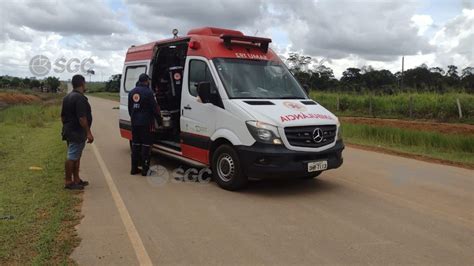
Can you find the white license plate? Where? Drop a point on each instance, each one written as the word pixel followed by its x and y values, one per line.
pixel 317 166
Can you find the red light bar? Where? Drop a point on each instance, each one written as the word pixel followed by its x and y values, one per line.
pixel 263 42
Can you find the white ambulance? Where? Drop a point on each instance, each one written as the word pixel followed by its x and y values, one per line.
pixel 229 103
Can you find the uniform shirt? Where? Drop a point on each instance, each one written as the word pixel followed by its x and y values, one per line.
pixel 75 105
pixel 142 106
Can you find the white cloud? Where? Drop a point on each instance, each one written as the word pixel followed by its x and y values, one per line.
pixel 422 22
pixel 455 40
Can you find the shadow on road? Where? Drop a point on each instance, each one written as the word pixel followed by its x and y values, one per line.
pixel 285 187
pixel 281 187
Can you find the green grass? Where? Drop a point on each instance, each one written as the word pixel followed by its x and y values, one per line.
pixel 41 230
pixel 115 96
pixel 449 147
pixel 430 106
pixel 95 86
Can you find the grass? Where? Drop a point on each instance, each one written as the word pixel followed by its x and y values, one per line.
pixel 429 106
pixel 114 96
pixel 95 86
pixel 448 147
pixel 38 214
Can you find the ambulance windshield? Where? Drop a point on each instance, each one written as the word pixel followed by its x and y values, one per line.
pixel 257 79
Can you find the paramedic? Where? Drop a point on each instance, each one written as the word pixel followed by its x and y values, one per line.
pixel 143 111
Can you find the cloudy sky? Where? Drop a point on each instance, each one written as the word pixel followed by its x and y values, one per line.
pixel 344 33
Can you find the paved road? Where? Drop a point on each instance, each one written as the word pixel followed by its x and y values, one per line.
pixel 376 209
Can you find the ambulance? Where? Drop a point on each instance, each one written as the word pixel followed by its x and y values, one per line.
pixel 229 103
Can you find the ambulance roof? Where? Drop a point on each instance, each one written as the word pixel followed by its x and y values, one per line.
pixel 211 43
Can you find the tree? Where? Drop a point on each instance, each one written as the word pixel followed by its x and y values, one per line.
pixel 378 79
pixel 5 82
pixel 452 77
pixel 351 75
pixel 322 78
pixel 417 78
pixel 90 72
pixel 351 79
pixel 467 80
pixel 468 71
pixel 452 72
pixel 437 70
pixel 26 82
pixel 298 63
pixel 15 82
pixel 366 69
pixel 35 83
pixel 113 85
pixel 52 83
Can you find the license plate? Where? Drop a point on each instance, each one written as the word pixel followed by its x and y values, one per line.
pixel 317 166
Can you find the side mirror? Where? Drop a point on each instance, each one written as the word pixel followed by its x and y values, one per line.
pixel 204 91
pixel 306 88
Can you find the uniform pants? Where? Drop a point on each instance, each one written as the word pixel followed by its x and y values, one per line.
pixel 142 139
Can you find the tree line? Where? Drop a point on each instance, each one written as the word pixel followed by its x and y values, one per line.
pixel 367 79
pixel 52 84
pixel 49 84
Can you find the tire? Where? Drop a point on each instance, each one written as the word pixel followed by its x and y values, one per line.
pixel 314 175
pixel 226 169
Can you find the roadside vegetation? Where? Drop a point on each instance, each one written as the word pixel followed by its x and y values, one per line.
pixel 37 216
pixel 425 106
pixel 114 96
pixel 455 148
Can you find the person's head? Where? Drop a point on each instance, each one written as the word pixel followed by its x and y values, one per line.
pixel 79 83
pixel 144 79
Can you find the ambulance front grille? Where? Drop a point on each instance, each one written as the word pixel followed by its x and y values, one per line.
pixel 307 136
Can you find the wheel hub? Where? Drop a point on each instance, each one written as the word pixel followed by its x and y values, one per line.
pixel 225 167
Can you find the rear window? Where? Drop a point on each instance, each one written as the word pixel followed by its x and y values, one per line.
pixel 131 76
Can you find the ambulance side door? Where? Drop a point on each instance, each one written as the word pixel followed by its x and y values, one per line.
pixel 198 119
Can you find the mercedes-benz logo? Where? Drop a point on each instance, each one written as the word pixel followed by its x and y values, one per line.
pixel 318 135
pixel 40 65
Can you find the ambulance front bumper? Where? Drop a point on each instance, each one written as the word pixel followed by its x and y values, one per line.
pixel 276 161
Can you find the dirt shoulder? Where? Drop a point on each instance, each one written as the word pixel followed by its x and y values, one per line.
pixel 446 128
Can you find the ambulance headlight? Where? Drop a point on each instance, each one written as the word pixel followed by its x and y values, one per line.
pixel 339 132
pixel 264 132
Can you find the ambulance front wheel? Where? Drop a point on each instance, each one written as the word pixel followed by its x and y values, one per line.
pixel 226 168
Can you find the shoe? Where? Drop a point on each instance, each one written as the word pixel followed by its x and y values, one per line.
pixel 134 171
pixel 145 171
pixel 84 183
pixel 73 186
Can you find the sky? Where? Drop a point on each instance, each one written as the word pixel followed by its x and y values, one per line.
pixel 338 33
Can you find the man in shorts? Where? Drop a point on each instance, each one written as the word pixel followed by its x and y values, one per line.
pixel 76 116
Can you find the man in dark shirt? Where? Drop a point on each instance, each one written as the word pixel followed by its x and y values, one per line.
pixel 143 111
pixel 77 120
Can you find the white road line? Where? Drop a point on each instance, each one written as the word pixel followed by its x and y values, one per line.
pixel 137 243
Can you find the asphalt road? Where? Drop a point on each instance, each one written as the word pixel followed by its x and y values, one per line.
pixel 377 209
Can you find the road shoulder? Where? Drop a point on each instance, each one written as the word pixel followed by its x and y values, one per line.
pixel 104 238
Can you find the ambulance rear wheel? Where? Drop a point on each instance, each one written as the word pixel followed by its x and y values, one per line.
pixel 226 169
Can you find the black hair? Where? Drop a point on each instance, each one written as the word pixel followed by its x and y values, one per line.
pixel 78 81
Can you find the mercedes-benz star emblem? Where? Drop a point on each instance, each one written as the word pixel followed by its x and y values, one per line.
pixel 318 135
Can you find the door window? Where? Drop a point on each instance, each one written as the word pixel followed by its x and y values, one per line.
pixel 199 72
pixel 131 76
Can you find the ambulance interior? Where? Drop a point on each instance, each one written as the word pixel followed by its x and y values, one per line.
pixel 167 78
